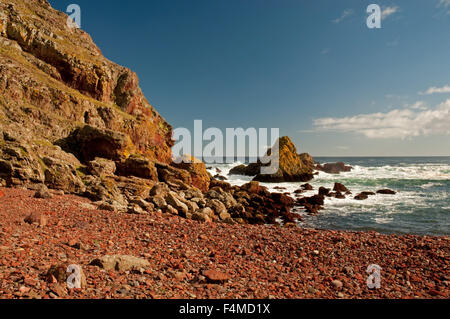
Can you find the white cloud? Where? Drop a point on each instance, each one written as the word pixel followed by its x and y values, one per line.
pixel 398 123
pixel 433 90
pixel 388 11
pixel 444 6
pixel 347 13
pixel 325 51
pixel 444 3
pixel 396 96
pixel 419 105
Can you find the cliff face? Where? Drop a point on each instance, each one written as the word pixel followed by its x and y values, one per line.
pixel 54 80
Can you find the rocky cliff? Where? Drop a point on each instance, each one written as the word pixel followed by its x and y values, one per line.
pixel 54 80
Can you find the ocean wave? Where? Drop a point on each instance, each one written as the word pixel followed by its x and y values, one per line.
pixel 383 220
pixel 430 185
pixel 415 171
pixel 420 206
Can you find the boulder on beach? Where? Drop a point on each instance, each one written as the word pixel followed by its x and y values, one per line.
pixel 139 166
pixel 197 169
pixel 89 142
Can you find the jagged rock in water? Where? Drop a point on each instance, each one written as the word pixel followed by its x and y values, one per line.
pixel 386 192
pixel 333 168
pixel 252 169
pixel 292 167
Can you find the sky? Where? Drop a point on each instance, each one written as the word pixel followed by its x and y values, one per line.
pixel 313 69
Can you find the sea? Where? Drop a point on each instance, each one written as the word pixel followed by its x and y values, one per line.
pixel 421 205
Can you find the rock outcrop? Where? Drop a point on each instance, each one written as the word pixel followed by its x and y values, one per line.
pixel 333 168
pixel 197 169
pixel 292 167
pixel 252 169
pixel 386 192
pixel 54 80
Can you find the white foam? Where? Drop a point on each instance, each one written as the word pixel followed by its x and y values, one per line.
pixel 413 171
pixel 383 220
pixel 429 185
pixel 415 185
pixel 365 179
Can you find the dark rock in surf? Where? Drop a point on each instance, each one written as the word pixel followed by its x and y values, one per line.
pixel 313 200
pixel 220 177
pixel 368 193
pixel 246 170
pixel 386 192
pixel 364 195
pixel 307 187
pixel 333 168
pixel 338 187
pixel 324 191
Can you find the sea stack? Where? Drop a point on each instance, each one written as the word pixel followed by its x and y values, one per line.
pixel 292 167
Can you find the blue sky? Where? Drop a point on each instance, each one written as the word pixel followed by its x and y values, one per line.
pixel 311 68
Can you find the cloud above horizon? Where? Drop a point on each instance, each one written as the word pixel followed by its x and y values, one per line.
pixel 388 11
pixel 434 89
pixel 444 3
pixel 345 14
pixel 414 121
